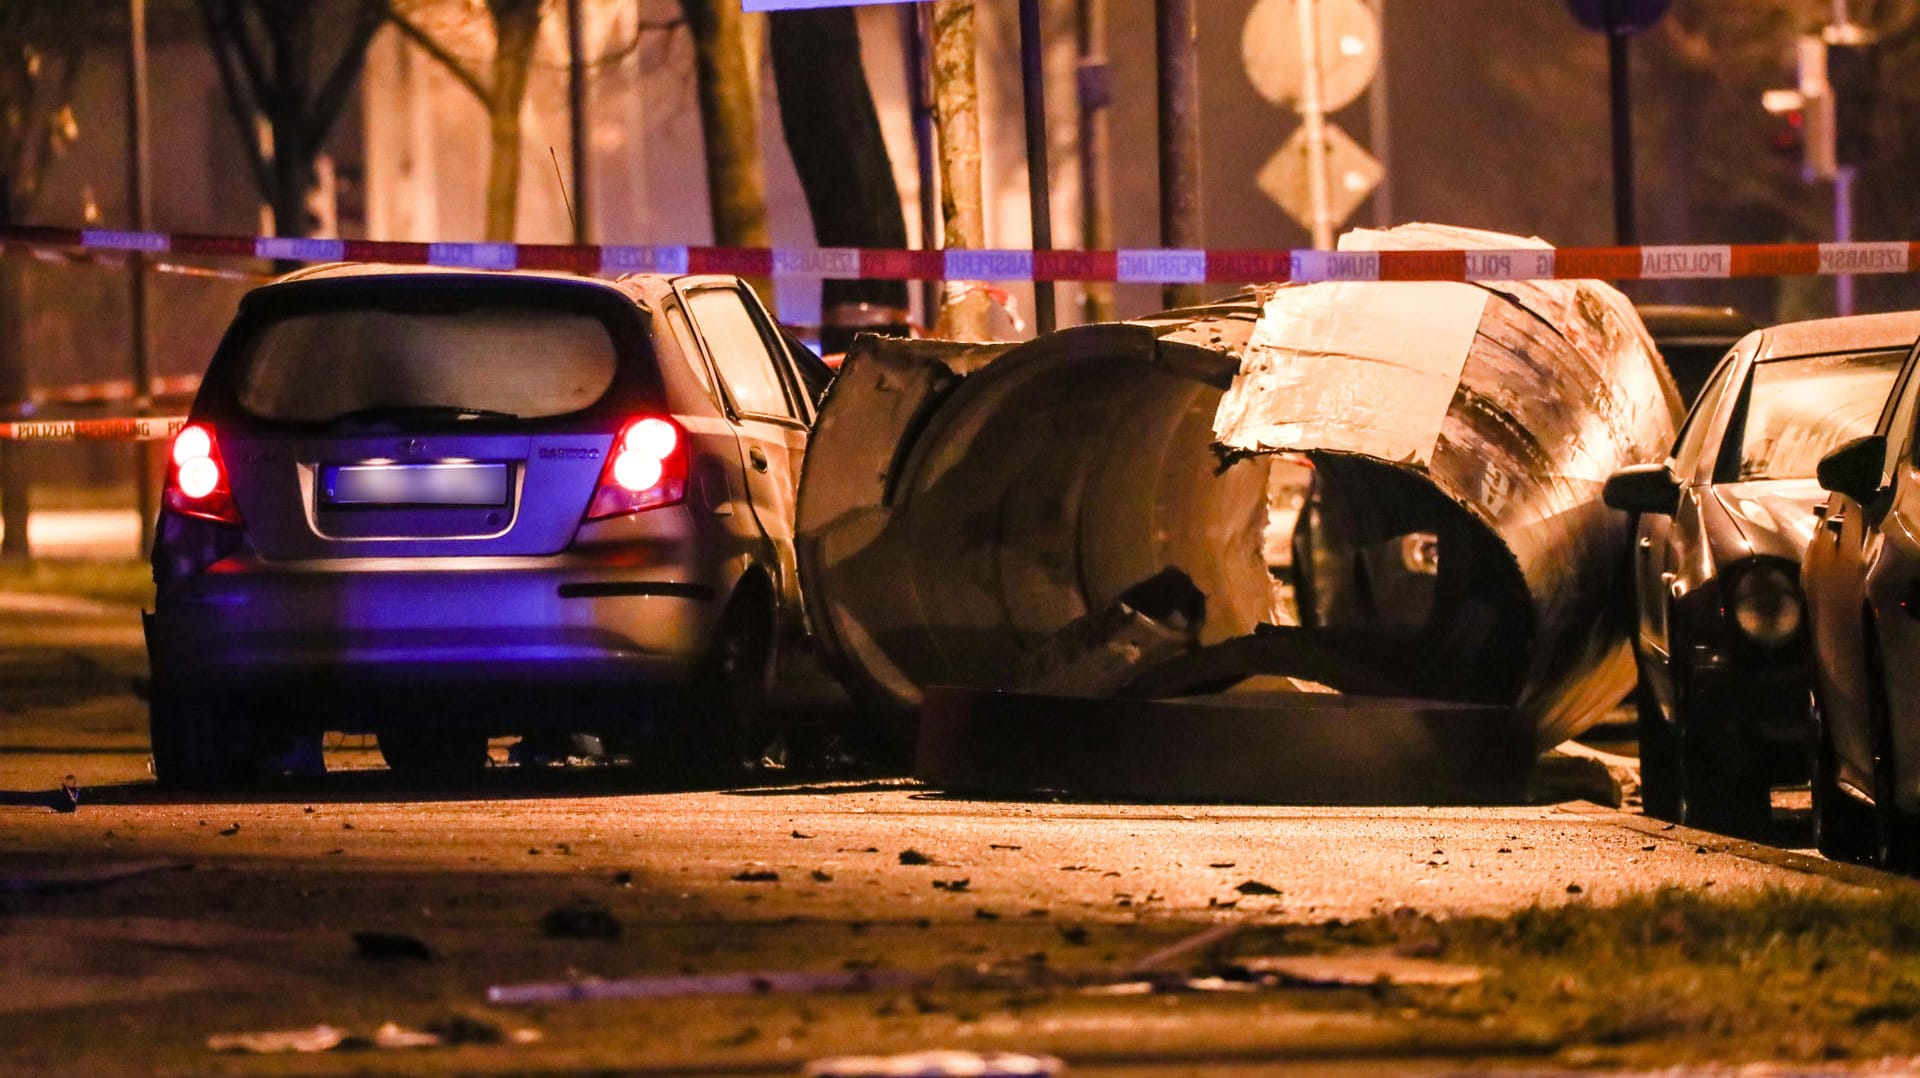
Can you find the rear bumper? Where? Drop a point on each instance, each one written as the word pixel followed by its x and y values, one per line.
pixel 486 635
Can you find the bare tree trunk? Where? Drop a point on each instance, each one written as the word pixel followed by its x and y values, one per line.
pixel 516 27
pixel 14 479
pixel 956 110
pixel 833 133
pixel 736 181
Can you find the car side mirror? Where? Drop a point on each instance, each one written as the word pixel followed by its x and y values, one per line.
pixel 1854 469
pixel 1642 488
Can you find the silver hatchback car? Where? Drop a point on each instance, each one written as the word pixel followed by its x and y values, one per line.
pixel 441 506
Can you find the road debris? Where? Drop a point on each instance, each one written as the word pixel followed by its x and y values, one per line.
pixel 707 984
pixel 756 875
pixel 321 1038
pixel 938 1064
pixel 55 879
pixel 1255 887
pixel 912 856
pixel 230 830
pixel 580 919
pixel 67 797
pixel 392 946
pixel 1357 968
pixel 443 1031
pixel 955 886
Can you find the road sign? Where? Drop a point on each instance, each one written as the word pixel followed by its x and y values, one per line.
pixel 1349 50
pixel 1618 16
pixel 1352 173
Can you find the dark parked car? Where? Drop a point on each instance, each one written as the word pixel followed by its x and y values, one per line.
pixel 444 505
pixel 1693 339
pixel 1862 579
pixel 1723 524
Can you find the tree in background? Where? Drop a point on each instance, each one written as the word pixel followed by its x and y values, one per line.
pixel 736 178
pixel 42 45
pixel 291 64
pixel 446 31
pixel 965 313
pixel 833 133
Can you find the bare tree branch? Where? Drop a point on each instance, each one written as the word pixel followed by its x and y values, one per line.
pixel 427 44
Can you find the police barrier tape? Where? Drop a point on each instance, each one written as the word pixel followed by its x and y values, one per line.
pixel 1143 266
pixel 156 428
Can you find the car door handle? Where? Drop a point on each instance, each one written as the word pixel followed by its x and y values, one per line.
pixel 758 457
pixel 1835 521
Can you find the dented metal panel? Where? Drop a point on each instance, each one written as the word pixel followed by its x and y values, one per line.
pixel 963 506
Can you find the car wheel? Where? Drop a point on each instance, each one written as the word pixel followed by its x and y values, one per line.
pixel 727 697
pixel 1718 788
pixel 1659 759
pixel 435 757
pixel 1714 783
pixel 1842 826
pixel 1895 842
pixel 201 744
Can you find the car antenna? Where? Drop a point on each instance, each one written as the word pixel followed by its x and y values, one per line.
pixel 572 221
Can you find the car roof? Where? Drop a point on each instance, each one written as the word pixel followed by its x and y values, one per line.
pixel 641 288
pixel 1680 323
pixel 1896 329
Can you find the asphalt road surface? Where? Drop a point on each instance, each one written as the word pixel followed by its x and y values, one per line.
pixel 139 926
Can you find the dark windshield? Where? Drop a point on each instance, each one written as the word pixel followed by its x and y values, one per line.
pixel 1799 409
pixel 487 360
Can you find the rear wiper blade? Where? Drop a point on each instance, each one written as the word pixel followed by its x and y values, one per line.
pixel 418 412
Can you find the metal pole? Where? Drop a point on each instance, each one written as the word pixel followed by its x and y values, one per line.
pixel 577 124
pixel 1314 117
pixel 1621 96
pixel 1095 93
pixel 1842 192
pixel 140 208
pixel 1843 233
pixel 1033 90
pixel 914 33
pixel 1379 124
pixel 1179 108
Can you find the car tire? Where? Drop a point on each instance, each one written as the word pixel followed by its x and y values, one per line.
pixel 1659 758
pixel 1896 834
pixel 201 744
pixel 1842 826
pixel 727 697
pixel 1718 788
pixel 435 757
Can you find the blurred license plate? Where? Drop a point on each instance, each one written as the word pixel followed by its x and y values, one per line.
pixel 414 484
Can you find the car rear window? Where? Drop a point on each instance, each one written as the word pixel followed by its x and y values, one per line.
pixel 1800 409
pixel 523 360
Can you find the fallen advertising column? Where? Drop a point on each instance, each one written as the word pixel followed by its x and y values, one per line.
pixel 1387 490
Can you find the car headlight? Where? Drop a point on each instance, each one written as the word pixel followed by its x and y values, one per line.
pixel 1766 604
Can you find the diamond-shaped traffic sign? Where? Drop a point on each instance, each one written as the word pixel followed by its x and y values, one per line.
pixel 1352 174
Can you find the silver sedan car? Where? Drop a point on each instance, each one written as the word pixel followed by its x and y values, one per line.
pixel 441 506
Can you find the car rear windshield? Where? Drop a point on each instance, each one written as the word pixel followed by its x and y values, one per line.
pixel 1800 409
pixel 494 359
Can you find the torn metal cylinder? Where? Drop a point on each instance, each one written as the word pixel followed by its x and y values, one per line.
pixel 1384 487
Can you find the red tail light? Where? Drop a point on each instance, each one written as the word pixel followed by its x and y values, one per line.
pixel 197 477
pixel 646 469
